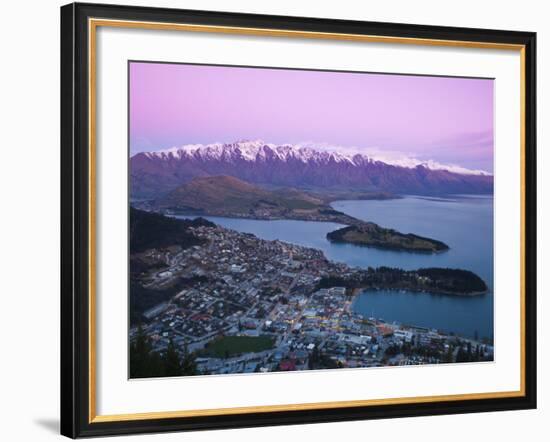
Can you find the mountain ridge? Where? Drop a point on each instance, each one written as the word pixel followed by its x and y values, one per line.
pixel 264 164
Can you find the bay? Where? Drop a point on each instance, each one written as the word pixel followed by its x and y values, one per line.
pixel 464 223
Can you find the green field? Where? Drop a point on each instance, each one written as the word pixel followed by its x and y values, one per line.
pixel 232 345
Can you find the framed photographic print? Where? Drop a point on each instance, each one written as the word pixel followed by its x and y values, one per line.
pixel 273 220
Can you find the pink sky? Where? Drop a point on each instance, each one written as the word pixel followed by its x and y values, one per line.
pixel 449 120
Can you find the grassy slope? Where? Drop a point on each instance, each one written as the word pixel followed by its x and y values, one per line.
pixel 231 194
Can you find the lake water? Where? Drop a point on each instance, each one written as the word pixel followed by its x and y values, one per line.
pixel 464 223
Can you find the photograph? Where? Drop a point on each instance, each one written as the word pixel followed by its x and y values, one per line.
pixel 272 220
pixel 276 221
pixel 298 219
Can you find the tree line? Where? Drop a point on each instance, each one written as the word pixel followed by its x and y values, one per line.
pixel 146 363
pixel 429 279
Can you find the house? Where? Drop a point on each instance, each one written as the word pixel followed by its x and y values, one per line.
pixel 155 311
pixel 287 365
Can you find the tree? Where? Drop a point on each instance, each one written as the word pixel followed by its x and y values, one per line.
pixel 171 361
pixel 392 350
pixel 449 356
pixel 144 362
pixel 314 358
pixel 188 365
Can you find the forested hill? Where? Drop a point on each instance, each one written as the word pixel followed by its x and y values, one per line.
pixel 434 280
pixel 372 235
pixel 152 230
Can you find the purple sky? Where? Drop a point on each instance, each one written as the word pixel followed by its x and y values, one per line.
pixel 449 120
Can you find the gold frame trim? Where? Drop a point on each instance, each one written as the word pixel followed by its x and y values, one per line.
pixel 93 24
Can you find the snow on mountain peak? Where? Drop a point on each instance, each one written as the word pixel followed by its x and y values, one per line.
pixel 259 150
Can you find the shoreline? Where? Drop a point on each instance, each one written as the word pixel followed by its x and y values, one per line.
pixel 314 264
pixel 175 213
pixel 410 289
pixel 342 222
pixel 390 248
pixel 357 291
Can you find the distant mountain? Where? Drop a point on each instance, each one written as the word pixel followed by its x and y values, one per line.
pixel 230 196
pixel 268 165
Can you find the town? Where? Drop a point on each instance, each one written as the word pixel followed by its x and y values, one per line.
pixel 264 306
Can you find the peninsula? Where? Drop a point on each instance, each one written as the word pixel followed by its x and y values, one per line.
pixel 231 197
pixel 372 235
pixel 233 301
pixel 234 198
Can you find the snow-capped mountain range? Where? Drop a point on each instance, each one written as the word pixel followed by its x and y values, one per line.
pixel 154 173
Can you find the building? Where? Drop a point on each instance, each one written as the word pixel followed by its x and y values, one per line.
pixel 155 311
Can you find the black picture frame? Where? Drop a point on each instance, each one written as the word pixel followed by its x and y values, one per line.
pixel 75 220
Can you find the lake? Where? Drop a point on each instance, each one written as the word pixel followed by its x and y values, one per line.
pixel 464 223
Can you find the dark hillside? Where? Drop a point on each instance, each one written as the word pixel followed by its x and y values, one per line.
pixel 152 230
